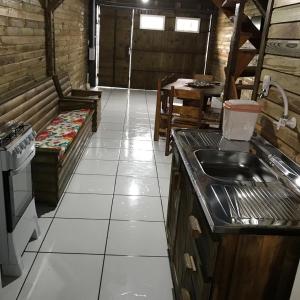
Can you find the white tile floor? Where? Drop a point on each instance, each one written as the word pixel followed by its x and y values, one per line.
pixel 106 239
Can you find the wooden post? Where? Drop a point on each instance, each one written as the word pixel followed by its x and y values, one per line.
pixel 50 42
pixel 50 6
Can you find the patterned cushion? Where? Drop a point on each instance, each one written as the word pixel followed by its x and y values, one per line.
pixel 62 130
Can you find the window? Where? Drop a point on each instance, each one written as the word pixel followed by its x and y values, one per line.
pixel 152 22
pixel 187 25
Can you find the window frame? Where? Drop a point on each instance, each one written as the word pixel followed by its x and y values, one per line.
pixel 187 18
pixel 150 15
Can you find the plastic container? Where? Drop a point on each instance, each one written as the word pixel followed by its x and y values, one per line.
pixel 239 120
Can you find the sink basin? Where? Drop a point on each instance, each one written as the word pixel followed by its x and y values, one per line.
pixel 234 166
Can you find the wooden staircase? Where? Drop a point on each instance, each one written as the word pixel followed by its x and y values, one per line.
pixel 240 57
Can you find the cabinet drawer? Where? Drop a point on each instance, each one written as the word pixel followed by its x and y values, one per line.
pixel 198 288
pixel 202 246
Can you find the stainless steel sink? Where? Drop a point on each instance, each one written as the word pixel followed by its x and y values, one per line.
pixel 234 166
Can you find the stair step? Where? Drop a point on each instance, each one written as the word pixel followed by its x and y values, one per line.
pixel 244 57
pixel 244 86
pixel 250 71
pixel 248 51
pixel 244 37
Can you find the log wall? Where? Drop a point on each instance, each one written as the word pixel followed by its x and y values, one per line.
pixel 71 39
pixel 22 43
pixel 282 62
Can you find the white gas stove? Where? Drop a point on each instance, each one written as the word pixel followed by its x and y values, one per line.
pixel 18 218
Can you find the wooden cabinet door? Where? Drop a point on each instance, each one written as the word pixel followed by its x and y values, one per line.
pixel 174 200
pixel 205 244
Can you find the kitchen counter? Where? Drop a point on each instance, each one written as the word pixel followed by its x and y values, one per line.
pixel 266 204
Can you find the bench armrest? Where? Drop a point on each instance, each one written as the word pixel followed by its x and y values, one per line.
pixel 79 99
pixel 85 93
pixel 72 103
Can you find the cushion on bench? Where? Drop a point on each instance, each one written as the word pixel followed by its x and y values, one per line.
pixel 62 130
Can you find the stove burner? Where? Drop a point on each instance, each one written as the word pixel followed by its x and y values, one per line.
pixel 10 131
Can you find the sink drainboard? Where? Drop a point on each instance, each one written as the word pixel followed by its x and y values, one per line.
pixel 270 202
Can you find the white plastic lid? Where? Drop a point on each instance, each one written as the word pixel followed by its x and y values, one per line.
pixel 242 105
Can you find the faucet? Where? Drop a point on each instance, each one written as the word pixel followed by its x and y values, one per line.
pixel 285 120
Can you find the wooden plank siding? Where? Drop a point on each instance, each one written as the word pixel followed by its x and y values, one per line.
pixel 22 44
pixel 282 62
pixel 155 53
pixel 160 53
pixel 71 40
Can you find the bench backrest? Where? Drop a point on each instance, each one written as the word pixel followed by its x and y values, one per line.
pixel 37 106
pixel 63 84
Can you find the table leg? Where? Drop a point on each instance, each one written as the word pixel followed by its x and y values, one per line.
pixel 157 116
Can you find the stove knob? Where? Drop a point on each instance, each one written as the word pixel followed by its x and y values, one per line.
pixel 17 150
pixel 23 145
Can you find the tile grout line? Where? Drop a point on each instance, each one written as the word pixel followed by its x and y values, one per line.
pixel 38 250
pixel 161 202
pixel 111 209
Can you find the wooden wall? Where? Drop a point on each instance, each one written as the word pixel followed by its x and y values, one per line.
pixel 282 62
pixel 222 36
pixel 155 53
pixel 71 39
pixel 22 44
pixel 160 53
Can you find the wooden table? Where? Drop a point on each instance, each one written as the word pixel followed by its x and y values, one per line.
pixel 181 84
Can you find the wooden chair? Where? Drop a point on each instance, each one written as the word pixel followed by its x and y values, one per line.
pixel 161 106
pixel 203 77
pixel 183 116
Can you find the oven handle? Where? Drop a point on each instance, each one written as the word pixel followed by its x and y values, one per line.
pixel 24 164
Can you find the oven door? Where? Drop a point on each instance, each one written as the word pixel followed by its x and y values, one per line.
pixel 17 192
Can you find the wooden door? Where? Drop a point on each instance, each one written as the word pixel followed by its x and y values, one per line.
pixel 115 31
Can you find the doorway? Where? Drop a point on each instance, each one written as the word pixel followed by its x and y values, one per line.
pixel 115 40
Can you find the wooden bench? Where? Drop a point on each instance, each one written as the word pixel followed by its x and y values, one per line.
pixel 64 89
pixel 38 106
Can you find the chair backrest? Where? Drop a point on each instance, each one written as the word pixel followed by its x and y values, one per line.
pixel 36 106
pixel 63 84
pixel 203 77
pixel 192 113
pixel 168 79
